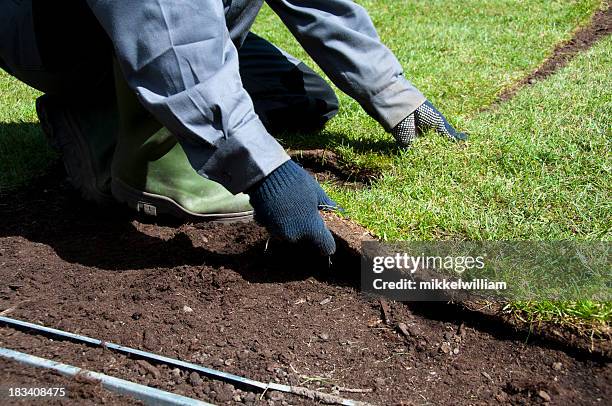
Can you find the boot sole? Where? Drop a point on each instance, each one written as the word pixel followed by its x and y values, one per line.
pixel 152 204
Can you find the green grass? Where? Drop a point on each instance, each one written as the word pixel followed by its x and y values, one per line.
pixel 459 53
pixel 24 153
pixel 536 168
pixel 515 179
pixel 586 316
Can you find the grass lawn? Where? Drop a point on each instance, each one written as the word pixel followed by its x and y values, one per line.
pixel 24 153
pixel 538 167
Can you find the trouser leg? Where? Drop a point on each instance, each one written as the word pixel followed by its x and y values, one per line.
pixel 56 47
pixel 286 93
pixel 18 46
pixel 59 49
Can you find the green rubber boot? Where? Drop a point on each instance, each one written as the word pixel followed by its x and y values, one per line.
pixel 151 173
pixel 84 133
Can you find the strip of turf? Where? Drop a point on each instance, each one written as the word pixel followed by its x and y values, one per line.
pixel 537 168
pixel 461 54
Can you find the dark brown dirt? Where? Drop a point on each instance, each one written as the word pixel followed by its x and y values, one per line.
pixel 584 38
pixel 276 314
pixel 326 165
pixel 83 392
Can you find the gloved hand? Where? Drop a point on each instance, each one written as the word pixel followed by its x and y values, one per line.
pixel 425 117
pixel 287 201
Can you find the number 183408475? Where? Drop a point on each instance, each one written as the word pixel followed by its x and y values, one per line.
pixel 32 392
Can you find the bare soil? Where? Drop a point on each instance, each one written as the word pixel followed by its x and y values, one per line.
pixel 81 391
pixel 326 165
pixel 225 297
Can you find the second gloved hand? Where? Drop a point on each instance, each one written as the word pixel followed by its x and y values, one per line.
pixel 287 203
pixel 424 118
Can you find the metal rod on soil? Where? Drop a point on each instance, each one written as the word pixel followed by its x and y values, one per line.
pixel 296 390
pixel 150 396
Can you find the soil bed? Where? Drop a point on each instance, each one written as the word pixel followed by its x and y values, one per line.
pixel 216 296
pixel 83 392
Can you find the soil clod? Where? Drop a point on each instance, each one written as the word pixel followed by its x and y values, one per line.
pixel 544 395
pixel 195 379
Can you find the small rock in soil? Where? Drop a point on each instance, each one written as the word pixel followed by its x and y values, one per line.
pixel 275 396
pixel 194 379
pixel 149 368
pixel 461 330
pixel 325 301
pixel 445 348
pixel 324 336
pixel 403 328
pixel 271 367
pixel 176 373
pixel 557 366
pixel 187 309
pixel 544 395
pixel 224 391
pixel 501 397
pixel 456 350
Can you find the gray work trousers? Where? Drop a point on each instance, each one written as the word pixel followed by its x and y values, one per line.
pixel 185 60
pixel 64 54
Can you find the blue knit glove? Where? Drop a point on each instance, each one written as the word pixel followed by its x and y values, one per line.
pixel 287 203
pixel 424 118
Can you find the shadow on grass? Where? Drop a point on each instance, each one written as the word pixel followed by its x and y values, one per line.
pixel 24 154
pixel 334 139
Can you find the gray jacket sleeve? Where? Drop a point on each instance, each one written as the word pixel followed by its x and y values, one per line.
pixel 179 59
pixel 340 37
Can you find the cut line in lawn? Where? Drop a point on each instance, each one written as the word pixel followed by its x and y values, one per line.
pixel 583 39
pixel 326 165
pixel 490 315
